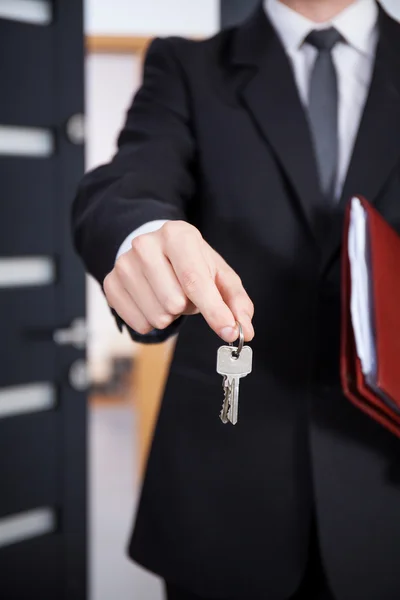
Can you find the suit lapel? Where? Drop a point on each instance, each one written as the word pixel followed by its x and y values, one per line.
pixel 270 94
pixel 377 148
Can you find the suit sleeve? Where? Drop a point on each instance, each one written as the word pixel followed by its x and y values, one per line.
pixel 150 177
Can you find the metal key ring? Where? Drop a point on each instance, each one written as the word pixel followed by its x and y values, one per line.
pixel 237 351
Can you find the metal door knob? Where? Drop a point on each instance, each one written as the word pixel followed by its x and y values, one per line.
pixel 75 335
pixel 78 376
pixel 75 129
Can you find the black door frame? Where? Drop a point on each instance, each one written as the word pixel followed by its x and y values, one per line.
pixel 54 438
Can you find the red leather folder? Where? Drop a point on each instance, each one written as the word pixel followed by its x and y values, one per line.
pixel 381 399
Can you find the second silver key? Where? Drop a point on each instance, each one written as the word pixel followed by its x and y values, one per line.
pixel 234 367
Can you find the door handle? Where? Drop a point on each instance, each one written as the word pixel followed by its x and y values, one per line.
pixel 75 129
pixel 79 376
pixel 75 335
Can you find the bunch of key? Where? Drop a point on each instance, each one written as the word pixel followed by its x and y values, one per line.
pixel 233 364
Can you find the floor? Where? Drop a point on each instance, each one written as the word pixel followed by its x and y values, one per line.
pixel 114 496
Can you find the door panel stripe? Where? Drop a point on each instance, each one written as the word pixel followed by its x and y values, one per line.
pixel 23 399
pixel 26 141
pixel 27 525
pixel 37 12
pixel 26 271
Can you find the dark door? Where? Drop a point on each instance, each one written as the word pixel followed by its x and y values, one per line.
pixel 235 11
pixel 42 356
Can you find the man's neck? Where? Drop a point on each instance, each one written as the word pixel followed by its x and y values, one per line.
pixel 318 11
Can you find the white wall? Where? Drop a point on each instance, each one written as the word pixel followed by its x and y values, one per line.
pixel 152 17
pixel 163 17
pixel 110 83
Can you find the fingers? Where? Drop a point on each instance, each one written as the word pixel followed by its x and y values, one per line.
pixel 237 299
pixel 131 277
pixel 119 299
pixel 143 287
pixel 190 265
pixel 235 296
pixel 160 279
pixel 171 272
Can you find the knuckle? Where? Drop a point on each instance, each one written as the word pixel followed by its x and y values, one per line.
pixel 140 244
pixel 173 230
pixel 121 267
pixel 175 305
pixel 189 280
pixel 235 282
pixel 162 321
pixel 142 328
pixel 169 230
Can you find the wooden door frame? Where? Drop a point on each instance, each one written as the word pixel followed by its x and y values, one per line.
pixel 106 44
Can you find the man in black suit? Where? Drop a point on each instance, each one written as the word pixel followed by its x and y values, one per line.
pixel 234 167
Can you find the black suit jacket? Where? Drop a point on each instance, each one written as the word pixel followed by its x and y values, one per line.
pixel 217 136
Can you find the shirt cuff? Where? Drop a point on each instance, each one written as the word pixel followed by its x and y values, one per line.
pixel 146 228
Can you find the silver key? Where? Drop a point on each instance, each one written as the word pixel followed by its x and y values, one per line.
pixel 234 403
pixel 227 400
pixel 233 366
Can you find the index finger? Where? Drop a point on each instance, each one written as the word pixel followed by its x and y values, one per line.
pixel 191 268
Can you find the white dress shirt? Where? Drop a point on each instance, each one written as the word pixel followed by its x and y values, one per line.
pixel 354 61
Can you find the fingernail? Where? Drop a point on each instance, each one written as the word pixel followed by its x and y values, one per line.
pixel 228 334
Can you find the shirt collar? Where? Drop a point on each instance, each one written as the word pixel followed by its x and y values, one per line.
pixel 357 24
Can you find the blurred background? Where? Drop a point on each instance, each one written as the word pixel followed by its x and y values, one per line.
pixel 78 400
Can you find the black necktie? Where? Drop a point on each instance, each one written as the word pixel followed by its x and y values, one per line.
pixel 323 108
